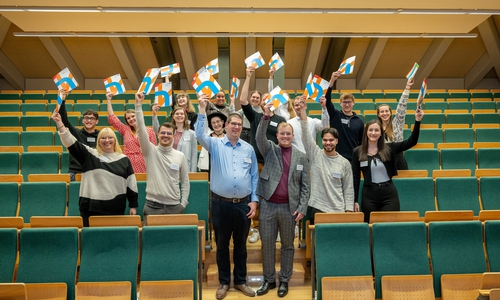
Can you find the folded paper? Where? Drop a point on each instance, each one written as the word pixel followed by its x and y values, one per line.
pixel 148 81
pixel 163 94
pixel 114 85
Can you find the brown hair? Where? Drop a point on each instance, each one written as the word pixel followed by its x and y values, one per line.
pixel 383 150
pixel 186 124
pixel 389 130
pixel 129 111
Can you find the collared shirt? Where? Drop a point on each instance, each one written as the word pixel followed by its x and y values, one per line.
pixel 234 170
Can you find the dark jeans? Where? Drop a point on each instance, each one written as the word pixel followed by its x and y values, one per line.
pixel 379 197
pixel 229 219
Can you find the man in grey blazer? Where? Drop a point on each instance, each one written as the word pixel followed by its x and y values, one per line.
pixel 284 188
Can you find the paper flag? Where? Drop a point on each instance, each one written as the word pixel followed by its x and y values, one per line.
pixel 275 62
pixel 205 83
pixel 163 94
pixel 347 66
pixel 320 86
pixel 114 85
pixel 255 60
pixel 170 69
pixel 213 66
pixel 309 90
pixel 278 97
pixel 235 85
pixel 421 94
pixel 201 70
pixel 413 71
pixel 64 80
pixel 148 81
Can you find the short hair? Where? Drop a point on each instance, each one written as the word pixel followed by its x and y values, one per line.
pixel 91 112
pixel 283 124
pixel 232 116
pixel 106 131
pixel 346 96
pixel 331 131
pixel 166 125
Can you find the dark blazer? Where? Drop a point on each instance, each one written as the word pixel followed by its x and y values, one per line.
pixel 298 178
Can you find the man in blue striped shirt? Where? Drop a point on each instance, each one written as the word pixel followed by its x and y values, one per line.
pixel 234 178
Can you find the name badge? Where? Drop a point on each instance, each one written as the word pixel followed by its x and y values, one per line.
pixel 248 160
pixel 187 138
pixel 189 122
pixel 344 121
pixel 273 124
pixel 363 163
pixel 300 167
pixel 202 154
pixel 174 167
pixel 104 159
pixel 91 139
pixel 336 175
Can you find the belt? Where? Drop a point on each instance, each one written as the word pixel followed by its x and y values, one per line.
pixel 232 200
pixel 386 183
pixel 159 204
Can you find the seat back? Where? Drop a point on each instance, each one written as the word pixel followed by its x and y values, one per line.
pixel 458 159
pixel 492 243
pixel 489 188
pixel 159 290
pixel 42 199
pixel 9 162
pixel 347 241
pixel 73 198
pixel 407 287
pixel 416 194
pixel 8 253
pixel 199 197
pixel 399 249
pixel 181 240
pixel 13 291
pixel 423 159
pixel 110 254
pixel 39 163
pixel 10 198
pixel 347 288
pixel 458 193
pixel 488 158
pixel 456 248
pixel 49 255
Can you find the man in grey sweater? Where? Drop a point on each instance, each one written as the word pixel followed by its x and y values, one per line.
pixel 332 188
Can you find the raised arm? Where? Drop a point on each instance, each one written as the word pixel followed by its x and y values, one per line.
pixel 64 116
pixel 328 96
pixel 325 117
pixel 398 122
pixel 142 133
pixel 156 124
pixel 270 84
pixel 246 86
pixel 260 135
pixel 112 119
pixel 309 145
pixel 194 151
pixel 199 127
pixel 413 139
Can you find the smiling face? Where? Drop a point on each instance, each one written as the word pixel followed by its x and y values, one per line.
pixel 182 100
pixel 347 102
pixel 329 143
pixel 384 112
pixel 179 115
pixel 285 135
pixel 234 125
pixel 374 132
pixel 89 121
pixel 217 124
pixel 220 99
pixel 130 118
pixel 255 99
pixel 166 135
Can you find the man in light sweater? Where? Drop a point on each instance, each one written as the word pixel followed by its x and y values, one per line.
pixel 165 168
pixel 332 188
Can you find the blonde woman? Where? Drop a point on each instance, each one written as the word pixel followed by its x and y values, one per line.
pixel 108 179
pixel 184 138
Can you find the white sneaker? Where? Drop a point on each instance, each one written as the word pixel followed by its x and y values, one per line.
pixel 255 236
pixel 278 239
pixel 296 230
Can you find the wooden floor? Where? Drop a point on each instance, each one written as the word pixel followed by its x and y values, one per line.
pixel 294 293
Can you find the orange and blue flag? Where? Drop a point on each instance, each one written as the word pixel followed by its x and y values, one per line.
pixel 278 97
pixel 170 69
pixel 148 81
pixel 235 86
pixel 163 94
pixel 64 80
pixel 347 66
pixel 204 83
pixel 276 62
pixel 421 94
pixel 255 60
pixel 114 85
pixel 413 71
pixel 213 66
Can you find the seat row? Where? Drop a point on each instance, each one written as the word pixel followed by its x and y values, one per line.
pixel 103 255
pixel 401 249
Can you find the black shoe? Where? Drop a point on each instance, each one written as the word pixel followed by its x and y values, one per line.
pixel 265 287
pixel 283 289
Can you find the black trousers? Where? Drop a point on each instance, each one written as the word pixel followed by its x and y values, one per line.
pixel 379 197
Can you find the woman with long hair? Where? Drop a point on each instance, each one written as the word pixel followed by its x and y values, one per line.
pixel 131 146
pixel 184 138
pixel 394 127
pixel 377 160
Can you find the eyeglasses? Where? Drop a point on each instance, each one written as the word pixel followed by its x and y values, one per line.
pixel 347 102
pixel 107 138
pixel 216 122
pixel 89 118
pixel 234 124
pixel 166 132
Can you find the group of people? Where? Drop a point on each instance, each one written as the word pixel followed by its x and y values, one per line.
pixel 264 165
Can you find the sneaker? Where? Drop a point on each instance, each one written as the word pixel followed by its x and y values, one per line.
pixel 296 230
pixel 245 289
pixel 221 292
pixel 278 239
pixel 255 236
